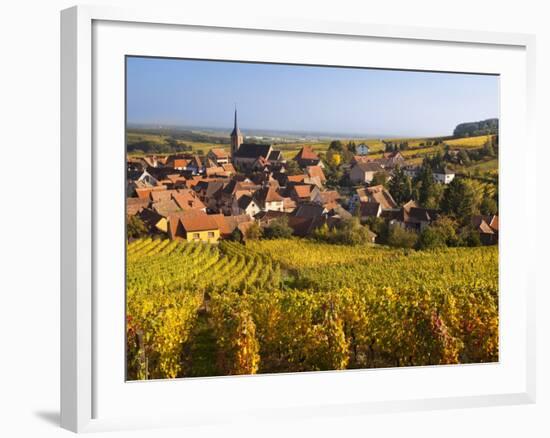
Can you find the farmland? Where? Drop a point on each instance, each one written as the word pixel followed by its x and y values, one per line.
pixel 288 305
pixel 417 148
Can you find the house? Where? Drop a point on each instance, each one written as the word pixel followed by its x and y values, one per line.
pixel 362 149
pixel 148 179
pixel 295 179
pixel 264 218
pixel 364 172
pixel 377 194
pixel 160 174
pixel 411 171
pixel 268 198
pixel 228 224
pixel 328 198
pixel 360 159
pixel 195 226
pixel 412 217
pixel 209 192
pixel 144 192
pixel 245 155
pixel 216 172
pixel 307 157
pixel 153 221
pixel 443 176
pixel 260 164
pixel 304 192
pixel 316 176
pixel 196 165
pixel 187 199
pixel 178 163
pixel 229 169
pixel 233 191
pixel 310 209
pixel 246 204
pixel 165 207
pixel 337 212
pixel 176 181
pixel 135 205
pixel 391 160
pixel 369 209
pixel 219 156
pixel 289 205
pixel 303 226
pixel 487 226
pixel 161 195
pixel 248 153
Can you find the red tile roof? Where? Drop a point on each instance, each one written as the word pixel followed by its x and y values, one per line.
pixel 302 190
pixel 188 200
pixel 198 221
pixel 306 153
pixel 180 163
pixel 316 171
pixel 220 153
pixel 296 178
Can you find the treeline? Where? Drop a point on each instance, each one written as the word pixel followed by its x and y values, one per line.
pixel 473 129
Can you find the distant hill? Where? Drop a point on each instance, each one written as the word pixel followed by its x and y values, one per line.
pixel 472 129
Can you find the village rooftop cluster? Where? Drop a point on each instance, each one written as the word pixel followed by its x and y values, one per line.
pixel 222 194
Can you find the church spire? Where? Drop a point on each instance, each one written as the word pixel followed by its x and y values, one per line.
pixel 236 136
pixel 236 130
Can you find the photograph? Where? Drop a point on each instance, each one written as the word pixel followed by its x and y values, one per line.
pixel 285 218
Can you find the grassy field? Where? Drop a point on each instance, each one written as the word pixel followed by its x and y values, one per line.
pixel 469 142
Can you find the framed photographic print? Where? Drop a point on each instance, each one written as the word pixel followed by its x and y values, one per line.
pixel 268 218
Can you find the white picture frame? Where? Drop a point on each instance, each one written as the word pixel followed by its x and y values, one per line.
pixel 81 267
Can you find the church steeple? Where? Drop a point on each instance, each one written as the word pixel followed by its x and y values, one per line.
pixel 236 136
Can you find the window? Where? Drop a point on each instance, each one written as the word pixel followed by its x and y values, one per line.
pixel 196 236
pixel 210 234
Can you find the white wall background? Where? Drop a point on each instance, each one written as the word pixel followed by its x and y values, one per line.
pixel 29 219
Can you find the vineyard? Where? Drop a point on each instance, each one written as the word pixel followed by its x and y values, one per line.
pixel 291 305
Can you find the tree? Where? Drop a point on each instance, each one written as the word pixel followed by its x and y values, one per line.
pixel 278 229
pixel 488 206
pixel 380 178
pixel 469 237
pixel 400 186
pixel 488 149
pixel 351 232
pixel 292 168
pixel 401 238
pixel 136 228
pixel 336 145
pixel 459 200
pixel 425 183
pixel 352 147
pixel 430 238
pixel 253 232
pixel 236 235
pixel 380 227
pixel 335 159
pixel 347 232
pixel 441 233
pixel 464 157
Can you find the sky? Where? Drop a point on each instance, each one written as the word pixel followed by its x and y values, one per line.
pixel 353 101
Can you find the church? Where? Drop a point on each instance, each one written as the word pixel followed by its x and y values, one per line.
pixel 249 156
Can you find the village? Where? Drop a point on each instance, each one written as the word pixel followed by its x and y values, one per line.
pixel 240 193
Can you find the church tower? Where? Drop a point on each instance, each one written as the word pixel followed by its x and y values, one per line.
pixel 236 137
